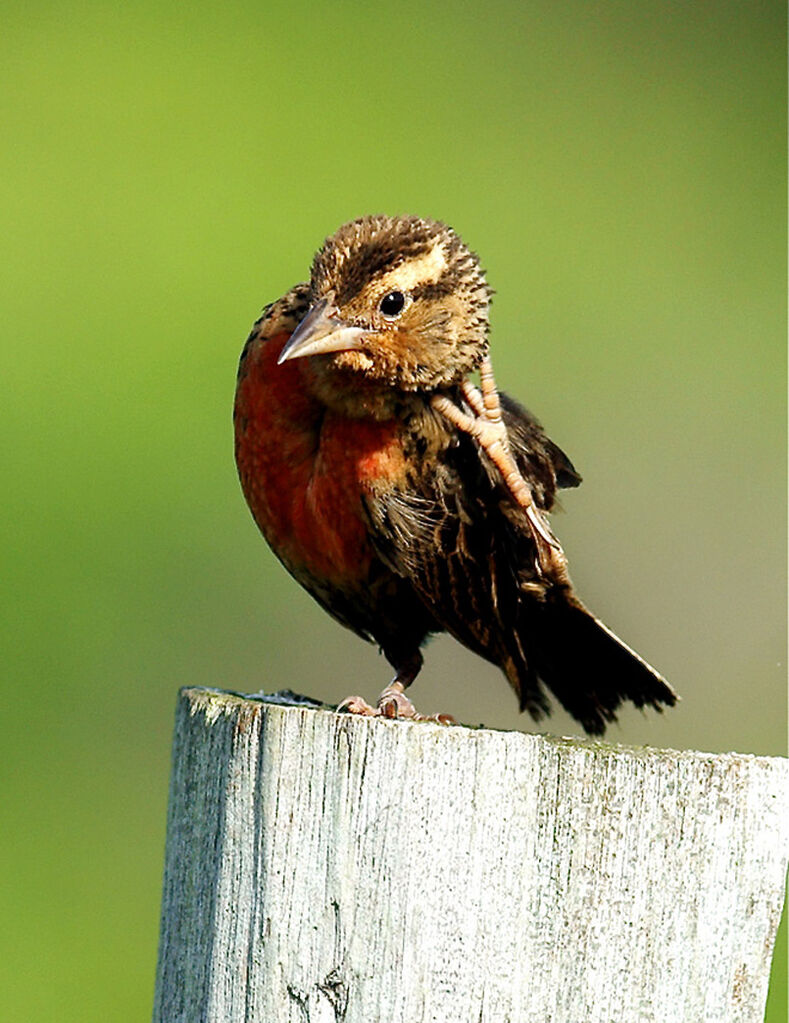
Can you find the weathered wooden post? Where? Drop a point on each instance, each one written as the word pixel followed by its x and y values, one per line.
pixel 322 867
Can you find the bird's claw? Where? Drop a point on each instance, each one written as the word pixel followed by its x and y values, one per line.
pixel 392 704
pixel 357 705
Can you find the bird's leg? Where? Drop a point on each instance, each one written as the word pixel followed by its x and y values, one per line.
pixel 393 703
pixel 487 427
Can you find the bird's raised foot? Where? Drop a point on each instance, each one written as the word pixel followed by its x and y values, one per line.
pixel 487 427
pixel 392 704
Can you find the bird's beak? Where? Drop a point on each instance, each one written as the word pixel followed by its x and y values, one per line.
pixel 322 331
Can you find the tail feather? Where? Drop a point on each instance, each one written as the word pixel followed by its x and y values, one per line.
pixel 590 671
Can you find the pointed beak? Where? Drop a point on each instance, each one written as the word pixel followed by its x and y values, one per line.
pixel 322 331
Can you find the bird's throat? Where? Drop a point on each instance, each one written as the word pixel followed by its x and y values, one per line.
pixel 342 383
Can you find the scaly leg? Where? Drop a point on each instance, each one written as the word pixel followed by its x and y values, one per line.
pixel 487 427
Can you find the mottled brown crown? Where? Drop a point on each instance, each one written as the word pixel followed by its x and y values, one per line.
pixel 441 333
pixel 369 247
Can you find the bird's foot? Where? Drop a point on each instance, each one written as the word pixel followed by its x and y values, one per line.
pixel 392 703
pixel 488 429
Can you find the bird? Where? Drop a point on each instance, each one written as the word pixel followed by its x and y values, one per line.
pixel 407 500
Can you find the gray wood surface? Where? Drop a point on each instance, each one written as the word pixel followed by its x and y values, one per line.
pixel 328 869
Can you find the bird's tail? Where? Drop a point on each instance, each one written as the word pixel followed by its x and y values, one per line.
pixel 590 671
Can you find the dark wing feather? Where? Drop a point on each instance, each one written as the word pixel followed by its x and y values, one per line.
pixel 540 461
pixel 469 553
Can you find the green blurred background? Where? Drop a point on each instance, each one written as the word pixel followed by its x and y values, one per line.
pixel 166 170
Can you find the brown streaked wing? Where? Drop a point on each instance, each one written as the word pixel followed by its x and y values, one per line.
pixel 470 556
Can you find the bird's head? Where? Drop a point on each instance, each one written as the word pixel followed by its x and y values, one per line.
pixel 398 303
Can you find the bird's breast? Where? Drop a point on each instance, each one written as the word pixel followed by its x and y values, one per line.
pixel 306 470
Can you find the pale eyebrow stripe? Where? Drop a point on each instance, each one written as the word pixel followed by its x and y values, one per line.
pixel 425 269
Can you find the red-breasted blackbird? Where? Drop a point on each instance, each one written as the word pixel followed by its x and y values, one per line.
pixel 404 499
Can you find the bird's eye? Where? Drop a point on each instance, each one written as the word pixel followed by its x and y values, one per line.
pixel 392 305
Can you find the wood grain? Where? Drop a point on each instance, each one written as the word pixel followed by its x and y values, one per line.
pixel 321 867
